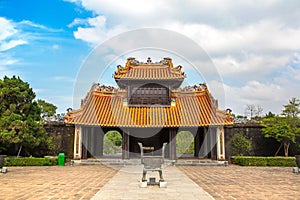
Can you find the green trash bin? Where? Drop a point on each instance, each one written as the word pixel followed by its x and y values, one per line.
pixel 61 159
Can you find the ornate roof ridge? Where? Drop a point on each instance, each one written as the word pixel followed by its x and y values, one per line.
pixel 132 63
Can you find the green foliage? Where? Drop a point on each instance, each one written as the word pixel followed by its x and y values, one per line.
pixel 115 137
pixel 264 161
pixel 184 143
pixel 112 142
pixel 279 128
pixel 47 109
pixel 30 161
pixel 285 129
pixel 20 120
pixel 292 109
pixel 239 144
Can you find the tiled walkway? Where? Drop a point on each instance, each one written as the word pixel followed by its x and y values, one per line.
pixel 125 185
pixel 235 182
pixel 85 182
pixel 80 182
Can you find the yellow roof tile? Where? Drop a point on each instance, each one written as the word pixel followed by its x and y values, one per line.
pixel 189 111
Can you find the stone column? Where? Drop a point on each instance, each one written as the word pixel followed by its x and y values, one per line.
pixel 77 142
pixel 220 143
pixel 97 141
pixel 197 143
pixel 125 145
pixel 84 142
pixel 204 144
pixel 172 143
pixel 94 143
pixel 213 143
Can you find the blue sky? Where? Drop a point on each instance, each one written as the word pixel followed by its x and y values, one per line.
pixel 254 46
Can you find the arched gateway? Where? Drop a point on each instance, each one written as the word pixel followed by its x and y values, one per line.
pixel 149 107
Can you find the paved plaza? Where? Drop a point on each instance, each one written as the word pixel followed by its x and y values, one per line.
pixel 184 182
pixel 80 182
pixel 235 182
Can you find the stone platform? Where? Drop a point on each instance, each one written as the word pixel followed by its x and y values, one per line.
pixel 122 162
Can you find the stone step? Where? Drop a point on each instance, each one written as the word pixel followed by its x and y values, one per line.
pixel 200 163
pixel 121 162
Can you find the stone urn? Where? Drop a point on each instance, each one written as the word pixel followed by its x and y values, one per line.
pixel 2 159
pixel 297 160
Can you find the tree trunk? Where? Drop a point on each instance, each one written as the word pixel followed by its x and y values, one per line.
pixel 286 146
pixel 20 148
pixel 278 149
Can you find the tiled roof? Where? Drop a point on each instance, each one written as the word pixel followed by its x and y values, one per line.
pixel 134 69
pixel 151 73
pixel 108 110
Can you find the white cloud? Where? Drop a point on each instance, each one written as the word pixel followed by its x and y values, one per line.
pixel 11 44
pixel 98 31
pixel 250 66
pixel 252 45
pixel 9 35
pixel 38 26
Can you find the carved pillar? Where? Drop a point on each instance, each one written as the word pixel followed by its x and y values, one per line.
pixel 204 150
pixel 84 142
pixel 100 141
pixel 213 143
pixel 77 142
pixel 197 142
pixel 220 143
pixel 125 145
pixel 172 143
pixel 94 142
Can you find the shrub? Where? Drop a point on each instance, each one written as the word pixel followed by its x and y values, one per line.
pixel 240 145
pixel 264 161
pixel 30 161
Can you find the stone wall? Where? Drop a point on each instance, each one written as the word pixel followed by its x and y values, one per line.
pixel 63 138
pixel 261 146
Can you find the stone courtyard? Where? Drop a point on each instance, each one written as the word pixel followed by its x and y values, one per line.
pixel 84 182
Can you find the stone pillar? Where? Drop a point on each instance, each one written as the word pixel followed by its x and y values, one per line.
pixel 213 143
pixel 77 142
pixel 172 143
pixel 197 142
pixel 125 145
pixel 97 141
pixel 220 143
pixel 204 145
pixel 94 142
pixel 84 142
pixel 100 140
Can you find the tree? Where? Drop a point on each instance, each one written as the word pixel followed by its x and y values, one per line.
pixel 292 109
pixel 259 111
pixel 184 143
pixel 269 114
pixel 20 120
pixel 284 128
pixel 253 111
pixel 239 145
pixel 47 109
pixel 250 111
pixel 112 142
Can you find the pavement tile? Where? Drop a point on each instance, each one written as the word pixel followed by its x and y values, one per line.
pixel 184 182
pixel 53 182
pixel 236 182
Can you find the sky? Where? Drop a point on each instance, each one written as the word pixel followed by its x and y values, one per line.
pixel 254 45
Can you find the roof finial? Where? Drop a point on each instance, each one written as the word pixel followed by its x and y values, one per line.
pixel 149 61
